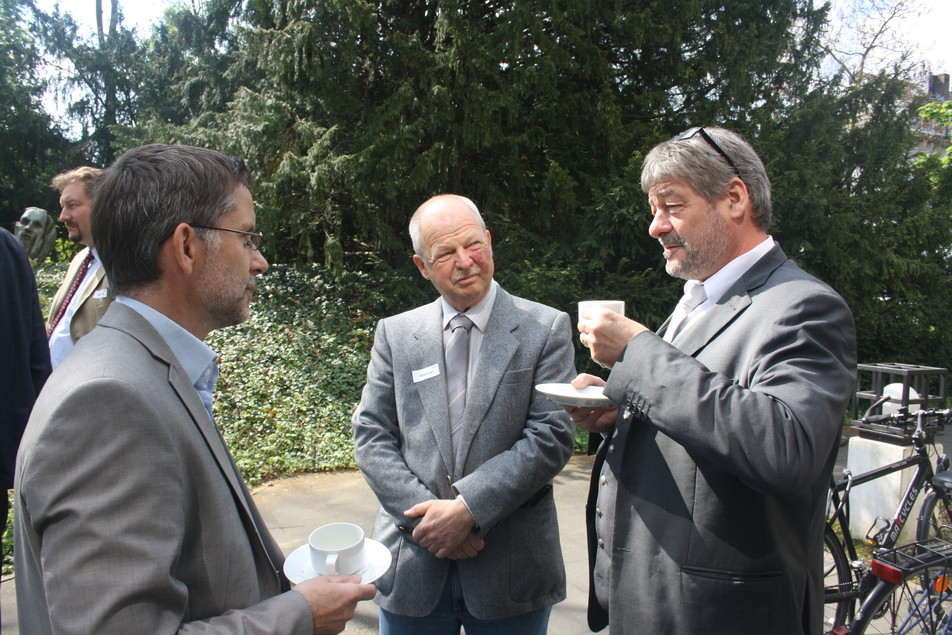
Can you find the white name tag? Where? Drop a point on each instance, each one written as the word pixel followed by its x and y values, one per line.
pixel 100 294
pixel 426 373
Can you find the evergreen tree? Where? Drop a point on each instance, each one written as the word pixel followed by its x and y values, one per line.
pixel 353 112
pixel 31 146
pixel 100 74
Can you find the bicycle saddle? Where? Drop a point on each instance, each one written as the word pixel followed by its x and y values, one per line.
pixel 942 481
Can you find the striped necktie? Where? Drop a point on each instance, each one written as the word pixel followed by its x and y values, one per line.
pixel 457 365
pixel 73 288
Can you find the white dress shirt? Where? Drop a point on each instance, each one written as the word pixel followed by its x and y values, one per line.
pixel 61 343
pixel 717 285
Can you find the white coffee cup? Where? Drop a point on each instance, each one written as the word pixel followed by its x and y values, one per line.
pixel 337 549
pixel 618 306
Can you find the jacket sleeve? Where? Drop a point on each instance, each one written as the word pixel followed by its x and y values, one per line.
pixel 105 494
pixel 378 441
pixel 773 426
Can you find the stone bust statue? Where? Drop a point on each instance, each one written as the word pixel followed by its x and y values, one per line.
pixel 36 230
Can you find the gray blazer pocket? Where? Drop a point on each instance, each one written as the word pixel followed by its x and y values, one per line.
pixel 746 600
pixel 522 375
pixel 385 583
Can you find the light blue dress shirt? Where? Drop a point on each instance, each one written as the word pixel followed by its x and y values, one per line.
pixel 196 357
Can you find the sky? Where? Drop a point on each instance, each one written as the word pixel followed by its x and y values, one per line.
pixel 931 30
pixel 928 26
pixel 135 13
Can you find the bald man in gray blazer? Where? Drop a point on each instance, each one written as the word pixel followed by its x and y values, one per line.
pixel 471 524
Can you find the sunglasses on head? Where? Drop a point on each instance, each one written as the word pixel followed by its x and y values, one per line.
pixel 699 130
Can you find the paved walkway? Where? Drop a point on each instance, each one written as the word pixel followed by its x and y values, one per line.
pixel 292 507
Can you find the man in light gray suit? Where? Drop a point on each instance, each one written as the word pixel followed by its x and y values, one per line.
pixel 465 490
pixel 707 501
pixel 131 516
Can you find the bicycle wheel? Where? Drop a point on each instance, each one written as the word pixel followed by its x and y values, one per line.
pixel 838 594
pixel 935 520
pixel 920 605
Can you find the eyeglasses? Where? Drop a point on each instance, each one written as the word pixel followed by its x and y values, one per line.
pixel 690 132
pixel 254 238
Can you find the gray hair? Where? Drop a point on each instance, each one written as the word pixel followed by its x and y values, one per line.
pixel 142 197
pixel 695 161
pixel 415 219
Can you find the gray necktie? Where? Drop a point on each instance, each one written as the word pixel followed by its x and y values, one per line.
pixel 694 296
pixel 457 364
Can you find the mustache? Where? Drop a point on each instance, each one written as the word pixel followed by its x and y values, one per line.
pixel 672 239
pixel 472 271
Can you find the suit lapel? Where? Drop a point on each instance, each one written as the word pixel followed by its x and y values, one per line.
pixel 497 349
pixel 426 352
pixel 91 286
pixel 216 445
pixel 213 439
pixel 731 304
pixel 139 328
pixel 71 274
pixel 727 308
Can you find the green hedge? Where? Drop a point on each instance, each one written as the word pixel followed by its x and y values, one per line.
pixel 291 376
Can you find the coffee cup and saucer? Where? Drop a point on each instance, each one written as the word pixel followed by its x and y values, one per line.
pixel 590 396
pixel 338 549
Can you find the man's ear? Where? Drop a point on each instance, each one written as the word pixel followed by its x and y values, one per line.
pixel 739 199
pixel 180 251
pixel 418 261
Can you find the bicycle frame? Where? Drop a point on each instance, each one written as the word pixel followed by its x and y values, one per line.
pixel 839 497
pixel 859 579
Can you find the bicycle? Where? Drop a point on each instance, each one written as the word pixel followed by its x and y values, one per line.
pixel 912 596
pixel 849 579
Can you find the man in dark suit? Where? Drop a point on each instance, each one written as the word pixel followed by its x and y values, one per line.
pixel 24 357
pixel 707 500
pixel 464 477
pixel 83 296
pixel 132 516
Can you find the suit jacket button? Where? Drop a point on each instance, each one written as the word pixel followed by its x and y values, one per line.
pixel 601 543
pixel 603 480
pixel 598 512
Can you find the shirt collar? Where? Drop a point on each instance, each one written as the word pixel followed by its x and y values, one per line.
pixel 192 353
pixel 479 313
pixel 724 278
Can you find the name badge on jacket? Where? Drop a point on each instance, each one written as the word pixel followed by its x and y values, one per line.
pixel 426 373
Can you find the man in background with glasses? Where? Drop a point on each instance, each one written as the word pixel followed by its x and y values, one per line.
pixel 132 516
pixel 707 501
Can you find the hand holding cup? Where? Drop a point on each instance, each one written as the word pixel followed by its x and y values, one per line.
pixel 604 330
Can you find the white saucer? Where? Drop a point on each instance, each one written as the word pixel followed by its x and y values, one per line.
pixel 567 395
pixel 298 565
